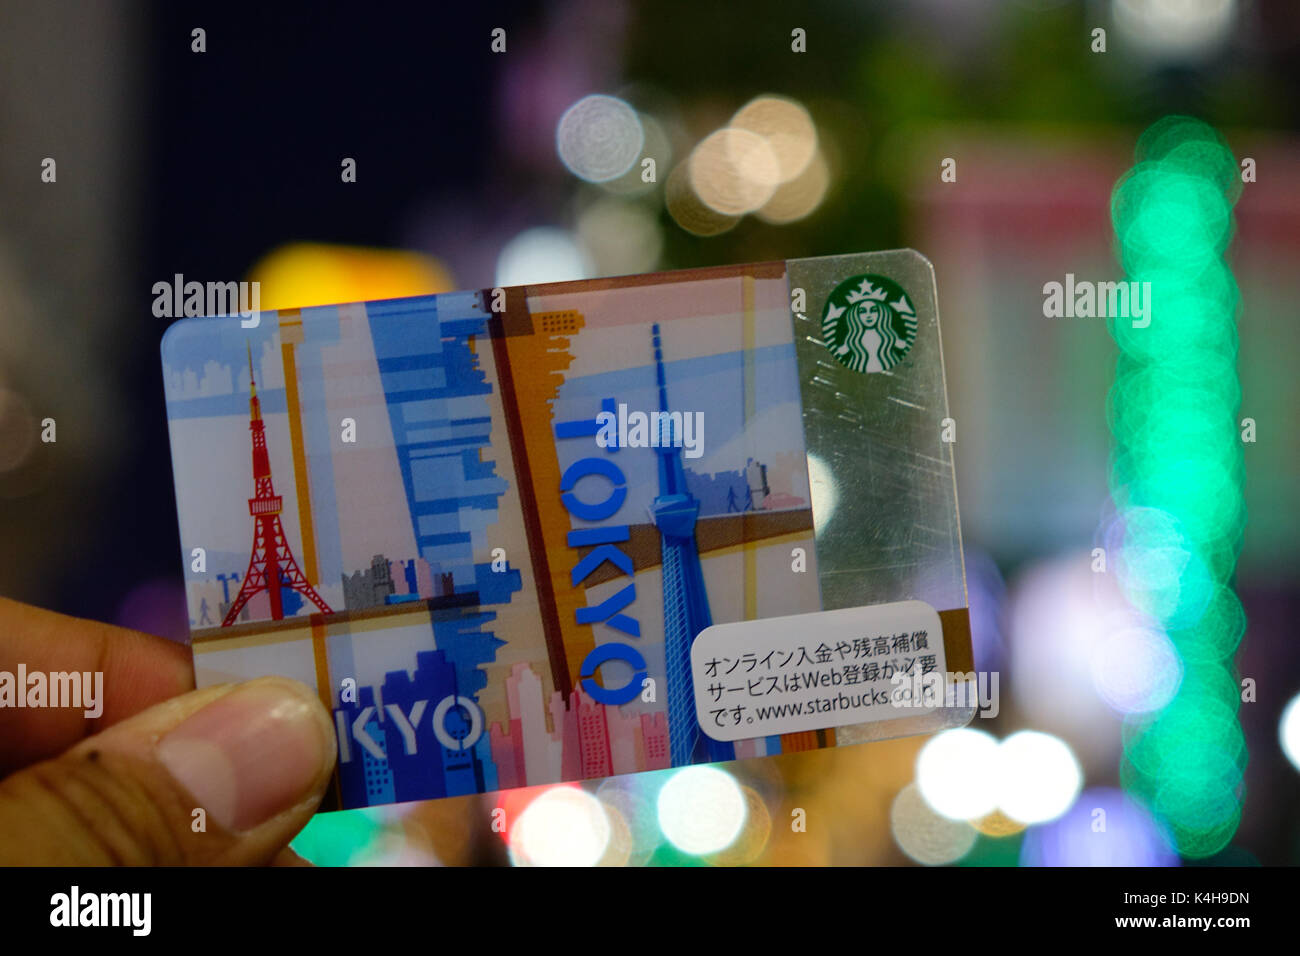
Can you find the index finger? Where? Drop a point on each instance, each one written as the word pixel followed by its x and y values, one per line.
pixel 138 670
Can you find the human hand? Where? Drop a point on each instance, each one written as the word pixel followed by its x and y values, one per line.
pixel 124 788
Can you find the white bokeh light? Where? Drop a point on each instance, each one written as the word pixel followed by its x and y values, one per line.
pixel 599 138
pixel 1175 28
pixel 542 254
pixel 1288 731
pixel 956 772
pixel 565 826
pixel 1058 613
pixel 1136 670
pixel 1038 777
pixel 701 810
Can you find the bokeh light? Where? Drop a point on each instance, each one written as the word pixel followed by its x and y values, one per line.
pixel 621 846
pixel 1136 670
pixel 1288 731
pixel 599 138
pixel 632 799
pixel 1059 614
pixel 788 129
pixel 1038 777
pixel 637 180
pixel 701 810
pixel 1214 637
pixel 1177 478
pixel 1175 28
pixel 623 237
pixel 957 773
pixel 767 160
pixel 337 839
pixel 753 836
pixel 541 254
pixel 800 197
pixel 997 824
pixel 734 171
pixel 690 211
pixel 1103 828
pixel 924 835
pixel 564 826
pixel 301 274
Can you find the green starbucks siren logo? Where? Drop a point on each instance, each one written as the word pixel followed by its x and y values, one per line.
pixel 868 323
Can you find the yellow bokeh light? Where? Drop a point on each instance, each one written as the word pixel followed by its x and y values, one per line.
pixel 622 844
pixel 997 824
pixel 689 211
pixel 800 196
pixel 753 836
pixel 734 171
pixel 786 126
pixel 924 835
pixel 304 274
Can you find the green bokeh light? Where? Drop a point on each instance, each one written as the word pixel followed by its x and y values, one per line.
pixel 1204 494
pixel 1214 637
pixel 1187 312
pixel 336 839
pixel 1165 217
pixel 1191 727
pixel 1194 146
pixel 1170 584
pixel 1201 816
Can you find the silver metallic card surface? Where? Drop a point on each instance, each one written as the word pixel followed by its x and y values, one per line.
pixel 882 474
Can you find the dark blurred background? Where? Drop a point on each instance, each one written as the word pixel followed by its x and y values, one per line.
pixel 225 165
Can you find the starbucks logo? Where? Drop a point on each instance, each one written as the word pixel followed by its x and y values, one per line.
pixel 868 323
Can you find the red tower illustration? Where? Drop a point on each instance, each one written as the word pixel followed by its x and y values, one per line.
pixel 271 565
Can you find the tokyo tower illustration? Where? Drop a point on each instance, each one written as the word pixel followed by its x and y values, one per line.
pixel 272 565
pixel 686 603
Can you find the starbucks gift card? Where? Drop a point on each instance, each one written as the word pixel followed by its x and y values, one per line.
pixel 540 534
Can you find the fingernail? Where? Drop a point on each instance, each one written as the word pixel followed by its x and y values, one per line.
pixel 249 754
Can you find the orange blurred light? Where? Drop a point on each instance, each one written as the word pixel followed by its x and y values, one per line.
pixel 303 274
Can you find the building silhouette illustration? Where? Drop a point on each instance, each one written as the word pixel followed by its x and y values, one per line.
pixel 416 765
pixel 436 395
pixel 382 583
pixel 581 739
pixel 369 587
pixel 437 401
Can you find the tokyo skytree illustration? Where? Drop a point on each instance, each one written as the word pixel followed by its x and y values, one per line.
pixel 686 603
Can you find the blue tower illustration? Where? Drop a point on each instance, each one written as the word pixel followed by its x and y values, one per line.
pixel 686 603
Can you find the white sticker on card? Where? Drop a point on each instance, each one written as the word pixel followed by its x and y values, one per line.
pixel 783 675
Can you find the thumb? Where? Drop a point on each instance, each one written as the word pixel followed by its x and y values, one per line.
pixel 255 758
